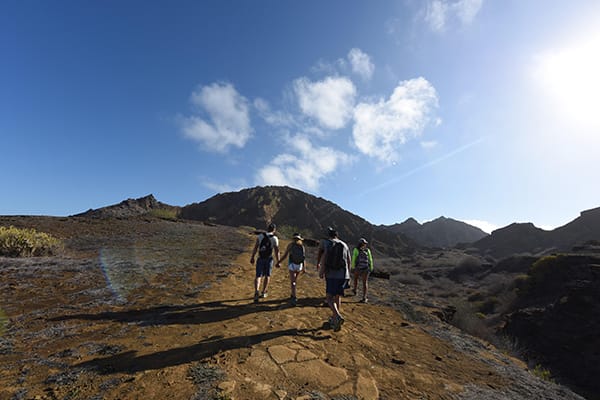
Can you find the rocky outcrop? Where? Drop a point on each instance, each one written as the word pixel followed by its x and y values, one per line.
pixel 558 319
pixel 129 208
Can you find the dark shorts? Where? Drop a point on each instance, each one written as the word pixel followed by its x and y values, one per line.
pixel 362 272
pixel 264 266
pixel 334 287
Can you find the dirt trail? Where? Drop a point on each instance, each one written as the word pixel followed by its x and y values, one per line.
pixel 273 350
pixel 69 339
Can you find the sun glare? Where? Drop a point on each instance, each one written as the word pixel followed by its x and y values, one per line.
pixel 571 77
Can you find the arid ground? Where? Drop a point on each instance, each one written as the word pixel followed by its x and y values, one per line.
pixel 145 308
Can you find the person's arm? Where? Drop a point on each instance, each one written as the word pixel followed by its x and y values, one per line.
pixel 276 248
pixel 254 251
pixel 348 258
pixel 354 258
pixel 370 260
pixel 285 254
pixel 319 255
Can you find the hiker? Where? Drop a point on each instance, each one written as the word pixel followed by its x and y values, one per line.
pixel 266 242
pixel 362 266
pixel 333 262
pixel 296 253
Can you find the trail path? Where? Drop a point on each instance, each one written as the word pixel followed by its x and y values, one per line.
pixel 69 337
pixel 274 350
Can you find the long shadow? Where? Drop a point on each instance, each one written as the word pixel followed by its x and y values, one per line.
pixel 213 311
pixel 128 362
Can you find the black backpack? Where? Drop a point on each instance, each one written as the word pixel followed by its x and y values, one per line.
pixel 297 253
pixel 335 256
pixel 265 248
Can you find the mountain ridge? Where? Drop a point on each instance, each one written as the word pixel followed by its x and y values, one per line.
pixel 440 232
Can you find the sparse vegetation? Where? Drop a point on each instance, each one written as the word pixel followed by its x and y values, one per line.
pixel 542 373
pixel 15 242
pixel 164 213
pixel 471 321
pixel 407 278
pixel 287 231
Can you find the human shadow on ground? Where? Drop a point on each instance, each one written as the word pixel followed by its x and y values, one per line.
pixel 130 362
pixel 208 312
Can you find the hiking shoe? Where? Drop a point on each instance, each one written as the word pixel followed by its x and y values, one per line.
pixel 294 301
pixel 264 294
pixel 329 322
pixel 364 300
pixel 337 323
pixel 256 297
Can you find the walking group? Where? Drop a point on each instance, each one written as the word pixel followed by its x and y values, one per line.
pixel 335 263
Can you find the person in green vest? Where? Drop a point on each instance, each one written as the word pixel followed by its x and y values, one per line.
pixel 362 266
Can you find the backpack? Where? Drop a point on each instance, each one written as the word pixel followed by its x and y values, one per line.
pixel 362 261
pixel 265 248
pixel 335 256
pixel 297 253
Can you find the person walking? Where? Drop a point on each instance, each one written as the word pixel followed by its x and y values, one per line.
pixel 362 266
pixel 333 263
pixel 296 252
pixel 266 243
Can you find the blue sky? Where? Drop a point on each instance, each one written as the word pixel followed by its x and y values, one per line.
pixel 479 110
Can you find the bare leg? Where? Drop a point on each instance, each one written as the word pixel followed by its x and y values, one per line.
pixel 266 284
pixel 356 274
pixel 365 279
pixel 257 284
pixel 293 280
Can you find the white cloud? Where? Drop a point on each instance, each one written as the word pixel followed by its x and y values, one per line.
pixel 467 10
pixel 436 15
pixel 440 12
pixel 306 168
pixel 485 226
pixel 228 121
pixel 361 63
pixel 220 187
pixel 429 144
pixel 329 101
pixel 381 128
pixel 275 118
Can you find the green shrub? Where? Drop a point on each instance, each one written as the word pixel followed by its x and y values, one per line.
pixel 15 242
pixel 542 373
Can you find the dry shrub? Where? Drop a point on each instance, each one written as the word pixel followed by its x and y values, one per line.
pixel 15 242
pixel 468 320
pixel 407 278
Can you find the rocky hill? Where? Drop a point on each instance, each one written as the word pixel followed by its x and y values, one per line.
pixel 557 318
pixel 131 207
pixel 294 210
pixel 527 238
pixel 441 232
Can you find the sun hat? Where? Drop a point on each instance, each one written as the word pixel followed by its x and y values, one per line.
pixel 362 241
pixel 297 236
pixel 331 232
